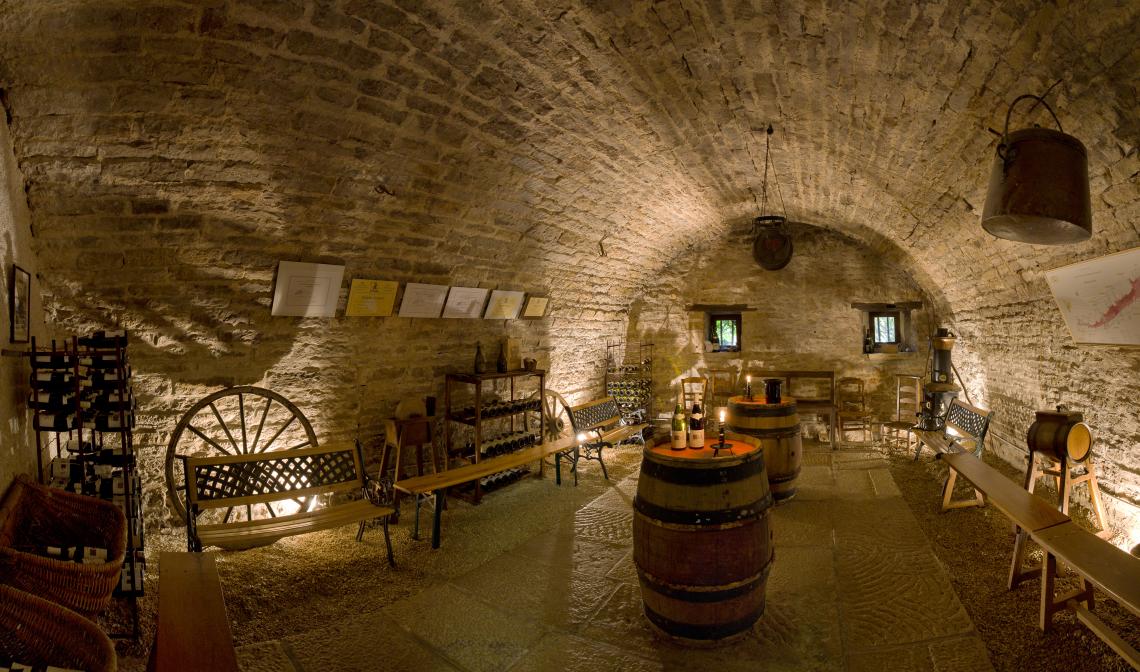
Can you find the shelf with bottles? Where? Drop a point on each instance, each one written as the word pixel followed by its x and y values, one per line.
pixel 630 383
pixel 84 407
pixel 492 423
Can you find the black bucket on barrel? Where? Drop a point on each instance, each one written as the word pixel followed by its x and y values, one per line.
pixel 772 390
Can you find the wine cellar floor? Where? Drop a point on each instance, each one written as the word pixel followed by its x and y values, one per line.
pixel 541 578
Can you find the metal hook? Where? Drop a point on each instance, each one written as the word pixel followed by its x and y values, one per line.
pixel 1005 131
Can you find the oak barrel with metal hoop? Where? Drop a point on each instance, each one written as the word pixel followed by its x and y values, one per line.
pixel 778 429
pixel 701 539
pixel 1060 434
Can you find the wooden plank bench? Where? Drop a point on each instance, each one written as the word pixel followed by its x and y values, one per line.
pixel 233 481
pixel 601 421
pixel 193 632
pixel 1095 560
pixel 965 431
pixel 437 484
pixel 821 401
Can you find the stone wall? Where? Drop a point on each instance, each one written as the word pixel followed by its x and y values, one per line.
pixel 799 318
pixel 17 442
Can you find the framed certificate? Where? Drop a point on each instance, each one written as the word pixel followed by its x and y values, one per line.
pixel 422 300
pixel 306 290
pixel 371 298
pixel 465 302
pixel 535 307
pixel 504 305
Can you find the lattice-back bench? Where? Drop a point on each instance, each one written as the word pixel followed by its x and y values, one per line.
pixel 965 431
pixel 245 481
pixel 601 421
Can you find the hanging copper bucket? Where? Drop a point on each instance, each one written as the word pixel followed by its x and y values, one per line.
pixel 772 248
pixel 1039 186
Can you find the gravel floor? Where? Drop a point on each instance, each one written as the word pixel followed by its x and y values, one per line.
pixel 976 545
pixel 301 583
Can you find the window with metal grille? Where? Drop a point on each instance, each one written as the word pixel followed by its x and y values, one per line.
pixel 885 327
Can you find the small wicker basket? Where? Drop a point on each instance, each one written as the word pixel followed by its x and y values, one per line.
pixel 36 632
pixel 33 516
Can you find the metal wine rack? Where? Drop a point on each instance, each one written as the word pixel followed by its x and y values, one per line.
pixel 630 383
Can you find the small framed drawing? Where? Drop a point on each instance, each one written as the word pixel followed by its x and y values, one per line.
pixel 422 300
pixel 20 304
pixel 465 302
pixel 535 307
pixel 306 290
pixel 504 305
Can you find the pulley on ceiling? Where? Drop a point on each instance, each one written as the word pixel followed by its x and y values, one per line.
pixel 1039 186
pixel 772 246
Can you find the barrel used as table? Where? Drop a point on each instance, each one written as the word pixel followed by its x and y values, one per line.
pixel 701 538
pixel 778 428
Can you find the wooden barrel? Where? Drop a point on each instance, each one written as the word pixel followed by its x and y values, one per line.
pixel 778 428
pixel 701 539
pixel 1061 435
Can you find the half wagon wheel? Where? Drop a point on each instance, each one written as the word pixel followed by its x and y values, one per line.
pixel 237 421
pixel 557 419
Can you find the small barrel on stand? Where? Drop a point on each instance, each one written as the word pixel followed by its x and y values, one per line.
pixel 777 427
pixel 701 539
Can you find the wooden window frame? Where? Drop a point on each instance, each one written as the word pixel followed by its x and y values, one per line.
pixel 713 318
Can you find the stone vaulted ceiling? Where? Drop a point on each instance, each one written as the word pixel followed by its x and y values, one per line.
pixel 521 134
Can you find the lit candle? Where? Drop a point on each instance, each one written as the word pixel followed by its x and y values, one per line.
pixel 748 379
pixel 722 416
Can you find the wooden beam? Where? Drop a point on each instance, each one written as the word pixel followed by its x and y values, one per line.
pixel 720 308
pixel 901 305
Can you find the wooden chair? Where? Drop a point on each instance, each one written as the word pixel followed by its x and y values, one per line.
pixel 694 390
pixel 908 402
pixel 722 385
pixel 851 401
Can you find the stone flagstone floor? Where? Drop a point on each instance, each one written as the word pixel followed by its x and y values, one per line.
pixel 855 587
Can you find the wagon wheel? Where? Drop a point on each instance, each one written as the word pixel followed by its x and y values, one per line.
pixel 236 421
pixel 557 420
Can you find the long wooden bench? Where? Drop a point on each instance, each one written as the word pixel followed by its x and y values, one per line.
pixel 193 632
pixel 438 483
pixel 965 431
pixel 245 481
pixel 602 423
pixel 1095 560
pixel 819 401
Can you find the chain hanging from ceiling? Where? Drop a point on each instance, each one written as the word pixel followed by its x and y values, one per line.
pixel 772 246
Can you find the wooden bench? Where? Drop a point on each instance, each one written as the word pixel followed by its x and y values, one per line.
pixel 601 421
pixel 193 632
pixel 1095 560
pixel 821 401
pixel 233 481
pixel 437 484
pixel 965 431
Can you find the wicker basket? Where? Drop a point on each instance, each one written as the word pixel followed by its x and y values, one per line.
pixel 36 632
pixel 33 516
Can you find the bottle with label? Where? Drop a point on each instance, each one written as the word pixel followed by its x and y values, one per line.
pixel 697 428
pixel 678 433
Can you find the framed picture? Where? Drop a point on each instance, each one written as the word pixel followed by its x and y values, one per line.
pixel 306 290
pixel 504 305
pixel 465 302
pixel 371 298
pixel 535 307
pixel 20 304
pixel 422 300
pixel 1100 298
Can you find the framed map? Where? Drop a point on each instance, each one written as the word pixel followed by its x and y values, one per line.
pixel 1100 298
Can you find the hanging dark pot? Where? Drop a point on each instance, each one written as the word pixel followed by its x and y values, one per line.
pixel 772 248
pixel 1039 186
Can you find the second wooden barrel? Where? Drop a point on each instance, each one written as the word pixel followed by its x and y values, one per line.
pixel 777 427
pixel 701 539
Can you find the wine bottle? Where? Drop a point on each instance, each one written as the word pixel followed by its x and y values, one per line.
pixel 480 363
pixel 678 433
pixel 501 362
pixel 697 428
